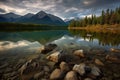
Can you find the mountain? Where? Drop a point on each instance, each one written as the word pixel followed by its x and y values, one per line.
pixel 68 21
pixel 39 18
pixel 44 18
pixel 28 15
pixel 9 17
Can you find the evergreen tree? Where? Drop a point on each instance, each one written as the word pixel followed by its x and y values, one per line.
pixel 108 17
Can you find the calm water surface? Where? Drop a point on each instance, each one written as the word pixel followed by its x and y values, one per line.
pixel 34 39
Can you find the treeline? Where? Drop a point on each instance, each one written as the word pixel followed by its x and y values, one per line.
pixel 27 27
pixel 107 17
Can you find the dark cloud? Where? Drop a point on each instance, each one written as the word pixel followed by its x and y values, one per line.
pixel 62 8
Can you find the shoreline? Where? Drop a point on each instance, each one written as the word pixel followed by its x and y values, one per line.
pixel 99 28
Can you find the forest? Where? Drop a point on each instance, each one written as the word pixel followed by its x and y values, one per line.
pixel 28 27
pixel 109 17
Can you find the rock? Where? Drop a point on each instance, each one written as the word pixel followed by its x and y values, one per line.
pixel 46 69
pixel 51 64
pixel 56 74
pixel 48 48
pixel 54 56
pixel 98 62
pixel 7 70
pixel 95 71
pixel 71 75
pixel 39 75
pixel 113 58
pixel 87 69
pixel 114 50
pixel 34 64
pixel 44 79
pixel 64 66
pixel 23 67
pixel 91 76
pixel 8 75
pixel 88 79
pixel 79 68
pixel 14 78
pixel 19 63
pixel 97 51
pixel 79 53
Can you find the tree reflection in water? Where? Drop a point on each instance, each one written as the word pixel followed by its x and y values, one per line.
pixel 104 38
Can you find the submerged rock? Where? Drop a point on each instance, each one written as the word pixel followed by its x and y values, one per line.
pixel 46 69
pixel 22 69
pixel 4 65
pixel 95 71
pixel 98 62
pixel 71 75
pixel 88 79
pixel 114 50
pixel 48 48
pixel 113 58
pixel 39 75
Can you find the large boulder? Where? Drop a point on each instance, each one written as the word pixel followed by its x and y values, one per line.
pixel 48 48
pixel 79 53
pixel 71 75
pixel 54 56
pixel 79 68
pixel 56 74
pixel 64 66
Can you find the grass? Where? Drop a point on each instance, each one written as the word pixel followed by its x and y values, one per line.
pixel 100 28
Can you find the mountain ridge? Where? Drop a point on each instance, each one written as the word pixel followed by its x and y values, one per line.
pixel 38 18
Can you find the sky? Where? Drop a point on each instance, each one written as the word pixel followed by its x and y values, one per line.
pixel 66 9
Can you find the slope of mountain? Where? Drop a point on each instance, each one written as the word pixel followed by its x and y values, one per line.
pixel 28 15
pixel 9 17
pixel 68 21
pixel 39 18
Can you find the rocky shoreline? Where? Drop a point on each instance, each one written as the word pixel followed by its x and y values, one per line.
pixel 54 63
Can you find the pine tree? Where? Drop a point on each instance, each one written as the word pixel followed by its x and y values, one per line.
pixel 103 17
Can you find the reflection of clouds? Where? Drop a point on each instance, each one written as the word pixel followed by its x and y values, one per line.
pixel 7 45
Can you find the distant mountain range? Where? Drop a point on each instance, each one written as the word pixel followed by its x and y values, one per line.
pixel 39 18
pixel 68 21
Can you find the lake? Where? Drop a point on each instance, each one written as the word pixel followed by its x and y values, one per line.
pixel 28 42
pixel 106 40
pixel 18 49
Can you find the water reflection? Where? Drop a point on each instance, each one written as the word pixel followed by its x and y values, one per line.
pixel 104 39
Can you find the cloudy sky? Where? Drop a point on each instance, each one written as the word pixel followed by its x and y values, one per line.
pixel 61 8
